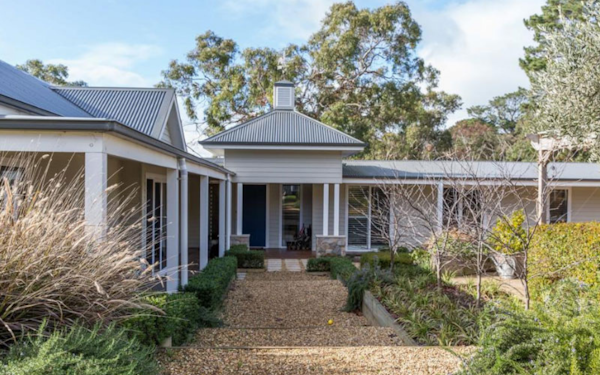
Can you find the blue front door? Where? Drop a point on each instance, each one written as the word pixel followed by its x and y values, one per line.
pixel 255 214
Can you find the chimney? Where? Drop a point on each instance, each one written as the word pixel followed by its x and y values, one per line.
pixel 283 95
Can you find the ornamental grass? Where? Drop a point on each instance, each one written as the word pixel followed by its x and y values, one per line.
pixel 54 273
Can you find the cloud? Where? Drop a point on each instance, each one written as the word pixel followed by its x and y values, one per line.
pixel 111 64
pixel 476 45
pixel 292 19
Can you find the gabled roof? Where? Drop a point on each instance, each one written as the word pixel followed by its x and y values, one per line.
pixel 29 93
pixel 143 109
pixel 282 128
pixel 419 169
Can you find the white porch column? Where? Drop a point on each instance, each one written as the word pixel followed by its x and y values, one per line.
pixel 336 209
pixel 240 198
pixel 203 221
pixel 229 218
pixel 183 227
pixel 96 170
pixel 440 205
pixel 222 218
pixel 325 209
pixel 172 230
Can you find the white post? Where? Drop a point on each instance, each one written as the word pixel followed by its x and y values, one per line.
pixel 325 209
pixel 240 198
pixel 336 209
pixel 229 218
pixel 222 217
pixel 542 194
pixel 183 230
pixel 204 225
pixel 172 230
pixel 96 170
pixel 440 205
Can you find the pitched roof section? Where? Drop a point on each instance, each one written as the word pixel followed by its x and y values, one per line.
pixel 286 128
pixel 418 169
pixel 33 94
pixel 140 109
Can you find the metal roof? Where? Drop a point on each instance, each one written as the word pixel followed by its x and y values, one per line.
pixel 137 108
pixel 30 91
pixel 417 169
pixel 283 128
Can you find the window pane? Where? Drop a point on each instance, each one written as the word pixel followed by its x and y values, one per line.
pixel 380 224
pixel 358 201
pixel 291 212
pixel 450 207
pixel 357 231
pixel 558 206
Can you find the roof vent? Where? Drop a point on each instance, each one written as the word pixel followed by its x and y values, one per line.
pixel 283 95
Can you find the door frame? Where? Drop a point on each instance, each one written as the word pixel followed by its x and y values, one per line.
pixel 162 179
pixel 300 214
pixel 267 190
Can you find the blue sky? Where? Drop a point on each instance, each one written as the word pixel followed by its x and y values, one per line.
pixel 474 43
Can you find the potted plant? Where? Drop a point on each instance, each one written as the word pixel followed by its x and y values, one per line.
pixel 507 239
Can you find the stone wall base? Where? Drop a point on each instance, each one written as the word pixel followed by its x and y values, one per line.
pixel 335 245
pixel 240 239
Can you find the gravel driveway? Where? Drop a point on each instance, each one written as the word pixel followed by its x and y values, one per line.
pixel 277 323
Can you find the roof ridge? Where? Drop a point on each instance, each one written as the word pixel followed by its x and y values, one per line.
pixel 118 88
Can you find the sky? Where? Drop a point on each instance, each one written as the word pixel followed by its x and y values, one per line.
pixel 475 44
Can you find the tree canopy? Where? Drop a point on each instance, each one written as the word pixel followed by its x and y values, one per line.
pixel 56 74
pixel 359 73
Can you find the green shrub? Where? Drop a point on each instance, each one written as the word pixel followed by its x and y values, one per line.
pixel 79 351
pixel 318 264
pixel 342 268
pixel 559 335
pixel 247 258
pixel 239 247
pixel 151 326
pixel 561 251
pixel 211 284
pixel 508 235
pixel 383 259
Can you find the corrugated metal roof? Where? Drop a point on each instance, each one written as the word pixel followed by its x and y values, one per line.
pixel 20 86
pixel 283 128
pixel 136 108
pixel 417 169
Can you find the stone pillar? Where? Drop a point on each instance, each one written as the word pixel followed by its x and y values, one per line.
pixel 335 245
pixel 240 239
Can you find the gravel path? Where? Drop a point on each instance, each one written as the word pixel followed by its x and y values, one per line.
pixel 277 323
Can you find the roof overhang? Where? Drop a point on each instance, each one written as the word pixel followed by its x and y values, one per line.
pixel 45 123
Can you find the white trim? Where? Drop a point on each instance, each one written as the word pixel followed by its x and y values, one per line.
pixel 347 203
pixel 240 205
pixel 172 268
pixel 183 225
pixel 325 209
pixel 397 181
pixel 222 213
pixel 229 218
pixel 267 216
pixel 440 206
pixel 218 149
pixel 336 209
pixel 204 220
pixel 280 200
pixel 96 201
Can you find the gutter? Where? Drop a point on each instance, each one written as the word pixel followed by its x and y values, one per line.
pixel 98 125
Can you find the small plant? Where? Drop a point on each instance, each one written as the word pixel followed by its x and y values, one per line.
pixel 318 264
pixel 508 235
pixel 383 259
pixel 77 350
pixel 247 258
pixel 341 268
pixel 211 284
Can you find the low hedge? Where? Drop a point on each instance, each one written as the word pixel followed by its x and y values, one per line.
pixel 247 258
pixel 562 251
pixel 318 264
pixel 211 284
pixel 383 259
pixel 336 265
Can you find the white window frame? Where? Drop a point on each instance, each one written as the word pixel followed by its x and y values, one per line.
pixel 162 179
pixel 569 191
pixel 283 245
pixel 369 245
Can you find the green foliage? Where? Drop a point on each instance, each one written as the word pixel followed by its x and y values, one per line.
pixel 342 268
pixel 509 235
pixel 429 315
pixel 360 281
pixel 421 258
pixel 247 258
pixel 561 251
pixel 211 284
pixel 559 335
pixel 318 264
pixel 383 259
pixel 51 73
pixel 79 351
pixel 151 326
pixel 370 82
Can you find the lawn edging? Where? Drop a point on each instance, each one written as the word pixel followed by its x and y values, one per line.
pixel 378 316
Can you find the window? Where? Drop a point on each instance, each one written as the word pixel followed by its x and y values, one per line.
pixel 367 217
pixel 559 206
pixel 156 220
pixel 462 208
pixel 290 203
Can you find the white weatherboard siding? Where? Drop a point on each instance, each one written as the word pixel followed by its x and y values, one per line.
pixel 292 167
pixel 585 204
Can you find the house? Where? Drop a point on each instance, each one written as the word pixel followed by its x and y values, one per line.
pixel 270 177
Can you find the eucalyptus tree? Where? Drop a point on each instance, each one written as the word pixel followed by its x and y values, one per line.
pixel 56 74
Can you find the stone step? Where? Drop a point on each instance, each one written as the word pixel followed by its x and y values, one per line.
pixel 304 336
